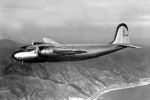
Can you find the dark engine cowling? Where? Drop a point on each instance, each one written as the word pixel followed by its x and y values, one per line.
pixel 46 52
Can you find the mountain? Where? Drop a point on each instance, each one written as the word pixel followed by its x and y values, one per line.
pixel 69 80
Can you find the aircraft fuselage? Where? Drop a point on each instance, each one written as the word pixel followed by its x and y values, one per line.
pixel 52 51
pixel 68 52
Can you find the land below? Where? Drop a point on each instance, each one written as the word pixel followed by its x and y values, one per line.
pixel 84 80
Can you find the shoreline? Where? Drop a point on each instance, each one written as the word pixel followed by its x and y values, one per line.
pixel 142 82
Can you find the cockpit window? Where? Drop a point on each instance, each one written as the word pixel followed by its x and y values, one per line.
pixel 33 47
pixel 37 43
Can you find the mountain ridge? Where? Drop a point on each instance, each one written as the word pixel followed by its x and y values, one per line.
pixel 79 79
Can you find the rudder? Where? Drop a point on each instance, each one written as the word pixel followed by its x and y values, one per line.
pixel 122 35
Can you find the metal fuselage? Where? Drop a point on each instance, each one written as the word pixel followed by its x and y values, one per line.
pixel 66 52
pixel 52 51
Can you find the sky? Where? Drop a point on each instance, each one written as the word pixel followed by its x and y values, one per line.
pixel 72 20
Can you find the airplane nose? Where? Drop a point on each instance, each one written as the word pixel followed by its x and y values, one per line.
pixel 24 55
pixel 17 56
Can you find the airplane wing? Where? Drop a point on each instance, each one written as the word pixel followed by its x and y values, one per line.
pixel 47 40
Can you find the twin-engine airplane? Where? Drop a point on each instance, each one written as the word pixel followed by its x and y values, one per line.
pixel 51 51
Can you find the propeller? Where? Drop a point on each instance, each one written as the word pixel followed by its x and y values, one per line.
pixel 37 50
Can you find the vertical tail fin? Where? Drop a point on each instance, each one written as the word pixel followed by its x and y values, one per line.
pixel 122 35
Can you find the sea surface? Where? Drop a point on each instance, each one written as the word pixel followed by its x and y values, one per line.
pixel 136 93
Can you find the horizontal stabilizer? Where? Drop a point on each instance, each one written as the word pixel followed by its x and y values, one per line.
pixel 129 45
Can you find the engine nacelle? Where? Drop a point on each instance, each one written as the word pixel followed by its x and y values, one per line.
pixel 46 52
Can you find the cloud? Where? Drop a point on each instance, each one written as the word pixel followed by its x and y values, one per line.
pixel 65 15
pixel 146 17
pixel 44 13
pixel 59 13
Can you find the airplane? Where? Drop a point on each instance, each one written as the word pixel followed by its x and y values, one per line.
pixel 52 51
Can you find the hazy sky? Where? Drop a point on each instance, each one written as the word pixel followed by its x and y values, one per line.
pixel 37 18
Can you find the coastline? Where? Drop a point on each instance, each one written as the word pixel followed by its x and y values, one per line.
pixel 142 82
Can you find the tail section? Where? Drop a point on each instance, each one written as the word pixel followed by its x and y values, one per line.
pixel 122 36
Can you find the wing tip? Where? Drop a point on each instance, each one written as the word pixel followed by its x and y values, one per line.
pixel 47 40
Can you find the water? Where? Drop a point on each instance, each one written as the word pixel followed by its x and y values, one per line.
pixel 136 93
